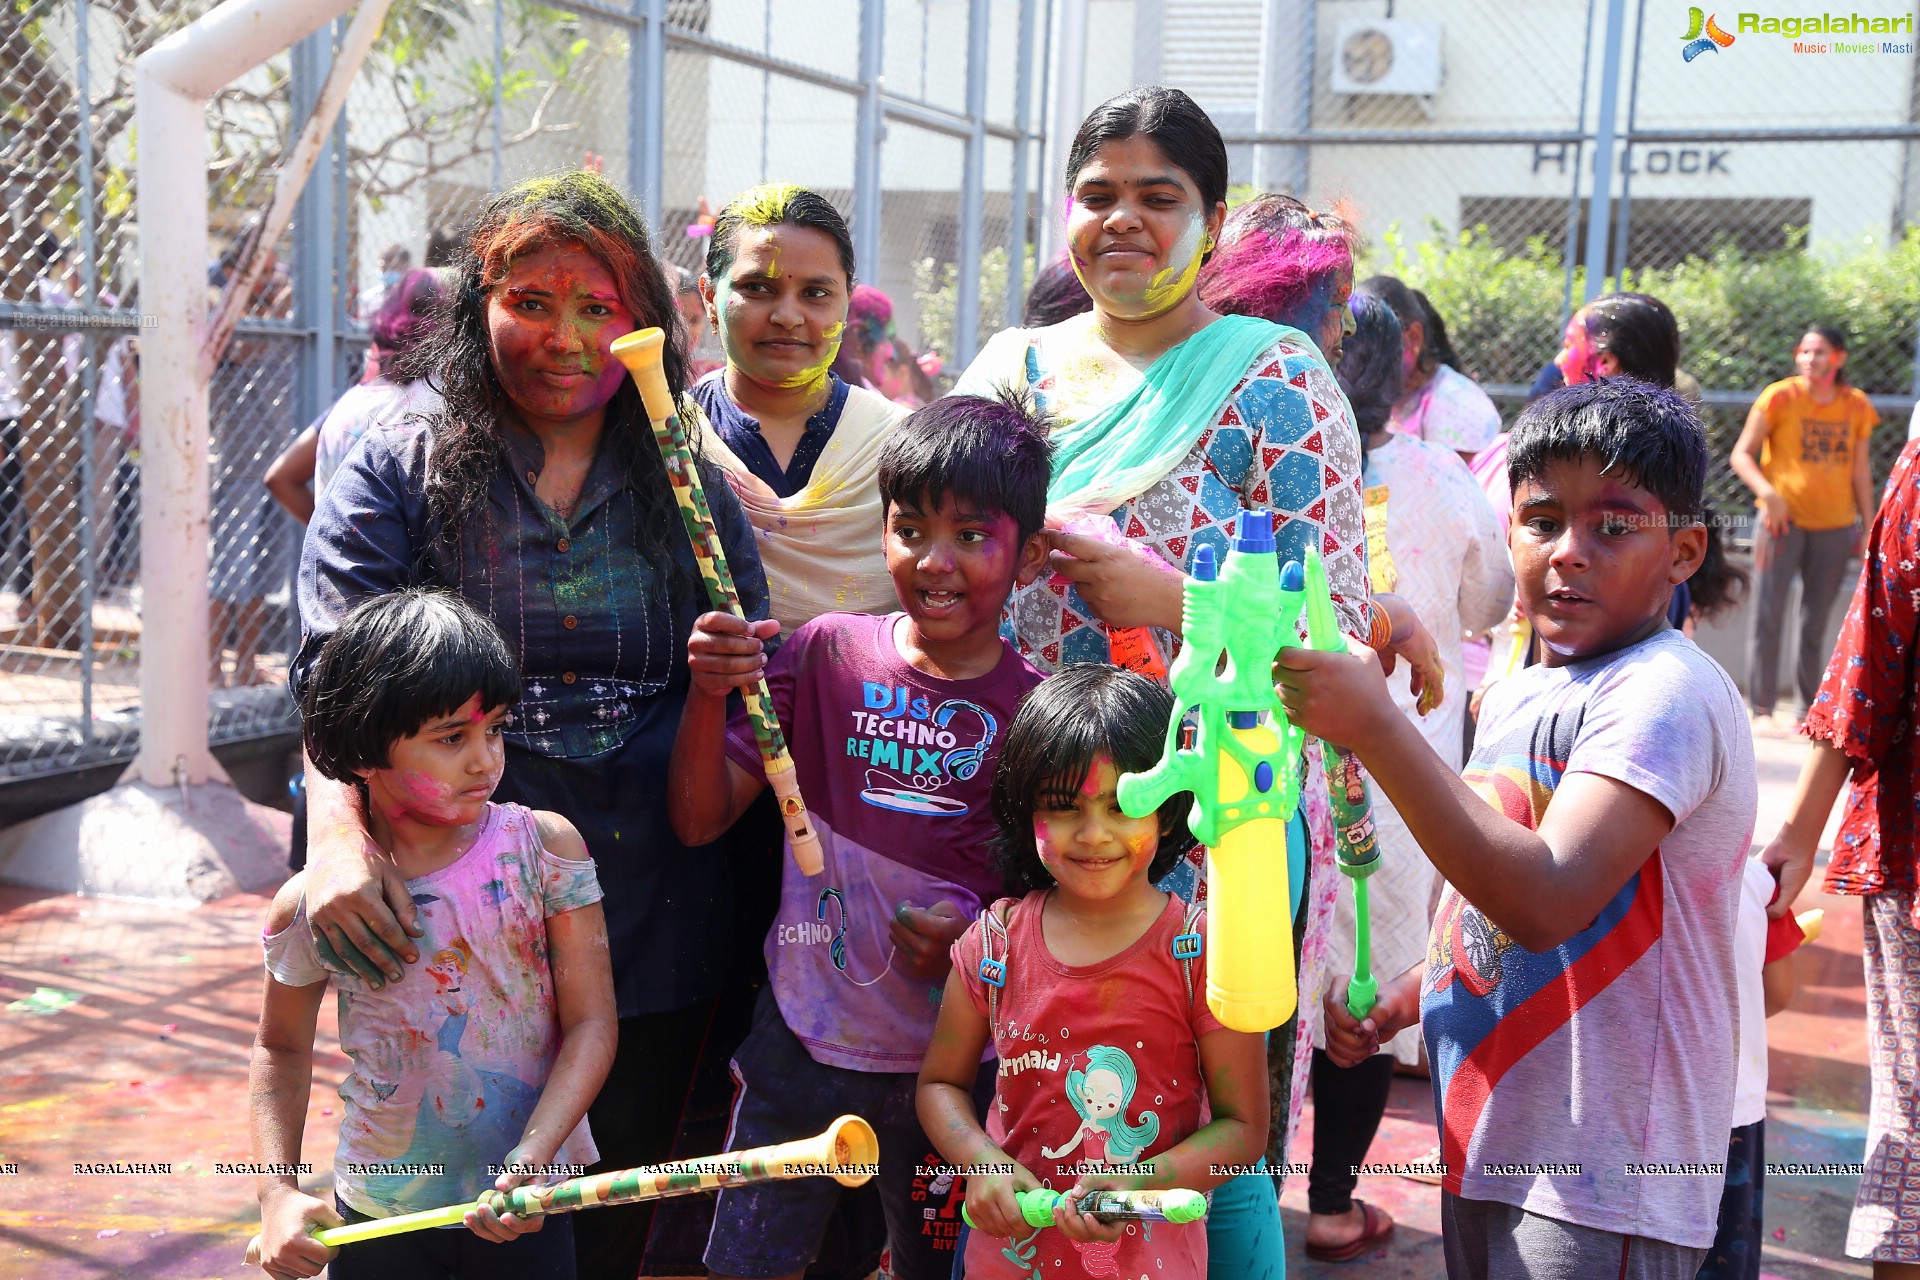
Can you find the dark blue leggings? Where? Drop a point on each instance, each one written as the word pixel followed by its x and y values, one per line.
pixel 455 1253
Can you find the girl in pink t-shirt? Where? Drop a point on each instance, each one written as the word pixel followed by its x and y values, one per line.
pixel 1092 989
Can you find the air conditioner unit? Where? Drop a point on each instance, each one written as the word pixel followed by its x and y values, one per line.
pixel 1384 55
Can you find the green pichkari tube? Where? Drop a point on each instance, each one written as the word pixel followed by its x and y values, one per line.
pixel 1174 1205
pixel 1356 851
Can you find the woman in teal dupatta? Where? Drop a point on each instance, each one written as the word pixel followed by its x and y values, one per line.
pixel 1171 419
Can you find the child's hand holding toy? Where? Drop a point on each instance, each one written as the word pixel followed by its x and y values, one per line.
pixel 288 1217
pixel 726 652
pixel 1351 1041
pixel 990 1205
pixel 925 935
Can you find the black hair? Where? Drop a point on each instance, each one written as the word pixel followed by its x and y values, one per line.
pixel 773 204
pixel 1411 306
pixel 1086 709
pixel 443 248
pixel 1718 584
pixel 1057 295
pixel 1369 369
pixel 1835 339
pixel 1639 331
pixel 1183 132
pixel 397 663
pixel 991 452
pixel 1648 435
pixel 469 432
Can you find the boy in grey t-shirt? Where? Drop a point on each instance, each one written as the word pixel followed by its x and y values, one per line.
pixel 1578 994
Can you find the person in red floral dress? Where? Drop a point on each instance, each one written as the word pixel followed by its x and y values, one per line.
pixel 1861 724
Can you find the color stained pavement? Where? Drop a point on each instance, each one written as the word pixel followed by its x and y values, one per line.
pixel 125 1031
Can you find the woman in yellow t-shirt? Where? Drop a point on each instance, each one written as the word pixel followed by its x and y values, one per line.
pixel 1804 454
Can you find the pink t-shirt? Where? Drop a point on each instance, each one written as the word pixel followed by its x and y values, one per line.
pixel 1099 1064
pixel 449 1064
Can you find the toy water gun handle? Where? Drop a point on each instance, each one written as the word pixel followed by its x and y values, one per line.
pixel 1174 1205
pixel 640 353
pixel 1356 850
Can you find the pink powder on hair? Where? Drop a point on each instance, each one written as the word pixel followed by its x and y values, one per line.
pixel 1258 275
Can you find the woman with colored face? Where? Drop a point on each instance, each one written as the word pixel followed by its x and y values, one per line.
pixel 1170 420
pixel 800 446
pixel 537 493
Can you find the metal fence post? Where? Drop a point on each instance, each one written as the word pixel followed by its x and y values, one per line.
pixel 1579 154
pixel 966 309
pixel 647 144
pixel 89 371
pixel 313 239
pixel 1284 99
pixel 867 131
pixel 499 89
pixel 1022 165
pixel 1600 204
pixel 1067 70
pixel 1621 239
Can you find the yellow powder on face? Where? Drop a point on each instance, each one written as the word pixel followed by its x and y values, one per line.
pixel 1174 281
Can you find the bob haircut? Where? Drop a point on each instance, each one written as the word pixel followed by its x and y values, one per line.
pixel 1086 709
pixel 1184 133
pixel 1647 435
pixel 1369 369
pixel 1278 260
pixel 773 204
pixel 1639 331
pixel 397 663
pixel 991 453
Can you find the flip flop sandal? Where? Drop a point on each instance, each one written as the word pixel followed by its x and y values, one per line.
pixel 1375 1228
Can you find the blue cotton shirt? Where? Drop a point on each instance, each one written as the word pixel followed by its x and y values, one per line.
pixel 601 634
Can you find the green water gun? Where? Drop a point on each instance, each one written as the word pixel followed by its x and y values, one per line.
pixel 1036 1207
pixel 1356 851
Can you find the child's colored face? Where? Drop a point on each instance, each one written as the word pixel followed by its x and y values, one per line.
pixel 1091 848
pixel 551 324
pixel 443 774
pixel 782 306
pixel 1595 559
pixel 954 567
pixel 1137 229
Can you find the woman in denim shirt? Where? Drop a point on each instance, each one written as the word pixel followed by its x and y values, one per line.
pixel 539 495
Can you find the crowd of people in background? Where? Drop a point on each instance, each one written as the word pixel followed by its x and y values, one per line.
pixel 1007 545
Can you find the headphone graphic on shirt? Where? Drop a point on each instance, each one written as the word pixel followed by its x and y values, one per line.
pixel 962 763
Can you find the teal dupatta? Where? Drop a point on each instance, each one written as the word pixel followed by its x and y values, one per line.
pixel 1117 454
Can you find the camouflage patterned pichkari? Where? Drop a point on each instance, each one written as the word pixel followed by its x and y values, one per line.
pixel 691 497
pixel 847 1151
pixel 640 352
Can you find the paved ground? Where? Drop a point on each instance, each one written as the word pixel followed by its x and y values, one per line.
pixel 125 1030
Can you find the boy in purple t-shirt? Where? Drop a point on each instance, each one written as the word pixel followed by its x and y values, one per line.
pixel 893 723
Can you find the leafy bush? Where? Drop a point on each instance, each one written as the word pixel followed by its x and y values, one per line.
pixel 1740 315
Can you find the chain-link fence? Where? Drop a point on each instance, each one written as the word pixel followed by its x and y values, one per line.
pixel 904 112
pixel 1757 186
